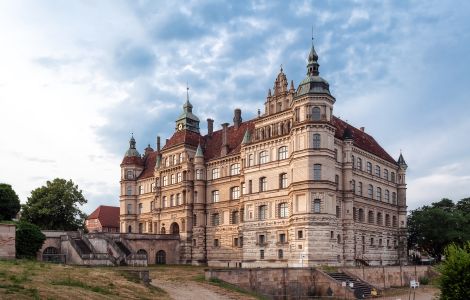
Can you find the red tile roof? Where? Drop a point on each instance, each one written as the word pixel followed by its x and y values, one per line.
pixel 131 160
pixel 361 139
pixel 149 165
pixel 107 215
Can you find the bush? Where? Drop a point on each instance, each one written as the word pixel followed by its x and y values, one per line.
pixel 29 240
pixel 424 280
pixel 455 273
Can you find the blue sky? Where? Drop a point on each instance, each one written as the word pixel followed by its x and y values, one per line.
pixel 77 77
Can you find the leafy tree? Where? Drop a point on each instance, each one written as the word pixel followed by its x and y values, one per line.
pixel 55 206
pixel 464 205
pixel 9 202
pixel 29 240
pixel 455 273
pixel 432 228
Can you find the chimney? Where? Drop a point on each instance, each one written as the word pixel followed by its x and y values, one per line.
pixel 237 117
pixel 224 149
pixel 210 127
pixel 362 129
pixel 158 144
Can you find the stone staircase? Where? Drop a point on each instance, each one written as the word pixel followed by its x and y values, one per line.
pixel 361 289
pixel 123 248
pixel 84 249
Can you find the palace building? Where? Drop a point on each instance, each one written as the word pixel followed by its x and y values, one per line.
pixel 295 186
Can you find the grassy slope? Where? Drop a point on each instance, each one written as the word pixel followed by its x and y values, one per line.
pixel 22 279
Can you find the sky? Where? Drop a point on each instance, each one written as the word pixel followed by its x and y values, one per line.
pixel 77 77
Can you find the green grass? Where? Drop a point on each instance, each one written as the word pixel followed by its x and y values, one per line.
pixel 80 284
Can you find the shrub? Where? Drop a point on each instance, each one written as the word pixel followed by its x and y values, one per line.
pixel 29 240
pixel 455 273
pixel 424 280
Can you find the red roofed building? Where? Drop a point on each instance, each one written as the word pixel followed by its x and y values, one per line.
pixel 103 219
pixel 295 186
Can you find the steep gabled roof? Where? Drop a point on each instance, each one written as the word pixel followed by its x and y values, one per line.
pixel 149 165
pixel 361 139
pixel 107 215
pixel 187 137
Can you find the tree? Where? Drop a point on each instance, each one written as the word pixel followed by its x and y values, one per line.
pixel 9 202
pixel 55 206
pixel 455 273
pixel 29 240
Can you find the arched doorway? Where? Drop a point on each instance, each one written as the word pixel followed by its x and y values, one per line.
pixel 129 229
pixel 174 228
pixel 143 252
pixel 50 254
pixel 163 231
pixel 160 258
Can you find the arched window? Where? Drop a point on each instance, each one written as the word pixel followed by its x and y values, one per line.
pixel 377 170
pixel 338 238
pixel 386 174
pixel 353 185
pixel 263 157
pixel 316 206
pixel 129 229
pixel 283 180
pixel 316 114
pixel 215 196
pixel 283 210
pixel 215 173
pixel 282 152
pixel 316 172
pixel 215 219
pixel 316 141
pixel 359 163
pixel 394 198
pixel 370 217
pixel 387 196
pixel 235 192
pixel 235 217
pixel 369 167
pixel 263 184
pixel 163 230
pixel 370 191
pixel 379 194
pixel 235 169
pixel 262 212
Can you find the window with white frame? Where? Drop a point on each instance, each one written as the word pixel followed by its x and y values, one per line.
pixel 263 184
pixel 165 180
pixel 235 217
pixel 263 157
pixel 199 174
pixel 316 206
pixel 359 163
pixel 174 160
pixel 140 208
pixel 152 187
pixel 316 141
pixel 283 210
pixel 164 203
pixel 243 188
pixel 359 189
pixel 370 191
pixel 129 208
pixel 141 189
pixel 215 219
pixel 178 199
pixel 250 160
pixel 235 192
pixel 394 198
pixel 215 173
pixel 235 169
pixel 316 172
pixel 386 174
pixel 178 177
pixel 180 158
pixel 215 196
pixel 377 170
pixel 130 174
pixel 262 212
pixel 172 180
pixel 282 152
pixel 369 167
pixel 129 190
pixel 379 194
pixel 387 196
pixel 283 180
pixel 353 185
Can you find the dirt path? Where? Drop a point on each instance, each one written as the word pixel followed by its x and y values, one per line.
pixel 421 293
pixel 189 290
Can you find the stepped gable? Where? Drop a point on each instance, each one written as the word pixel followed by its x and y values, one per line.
pixel 361 139
pixel 149 165
pixel 213 143
pixel 107 215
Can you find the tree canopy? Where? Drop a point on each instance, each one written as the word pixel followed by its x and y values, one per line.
pixel 55 206
pixel 432 228
pixel 29 240
pixel 9 202
pixel 455 273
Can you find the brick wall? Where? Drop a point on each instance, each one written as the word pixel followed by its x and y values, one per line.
pixel 7 241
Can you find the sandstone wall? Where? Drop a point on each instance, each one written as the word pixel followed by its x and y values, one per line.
pixel 385 277
pixel 7 241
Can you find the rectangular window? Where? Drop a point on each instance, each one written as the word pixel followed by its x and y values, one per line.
pixel 300 234
pixel 173 178
pixel 370 191
pixel 316 207
pixel 261 254
pixel 250 186
pixel 215 196
pixel 215 219
pixel 263 157
pixel 235 193
pixel 235 242
pixel 316 172
pixel 165 180
pixel 282 238
pixel 280 254
pixel 262 213
pixel 216 242
pixel 359 190
pixel 250 160
pixel 151 205
pixel 235 169
pixel 283 210
pixel 199 174
pixel 282 152
pixel 129 208
pixel 261 239
pixel 178 177
pixel 129 190
pixel 130 174
pixel 369 168
pixel 283 181
pixel 140 208
pixel 243 188
pixel 215 173
pixel 141 189
pixel 316 141
pixel 359 163
pixel 262 184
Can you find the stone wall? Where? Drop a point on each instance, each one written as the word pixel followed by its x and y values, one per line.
pixel 385 277
pixel 281 283
pixel 7 241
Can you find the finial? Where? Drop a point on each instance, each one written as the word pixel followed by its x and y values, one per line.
pixel 187 91
pixel 312 35
pixel 281 68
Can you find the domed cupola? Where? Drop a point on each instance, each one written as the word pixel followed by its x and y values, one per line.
pixel 132 156
pixel 187 120
pixel 313 83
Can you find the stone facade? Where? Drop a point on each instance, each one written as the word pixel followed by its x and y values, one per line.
pixel 7 241
pixel 294 187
